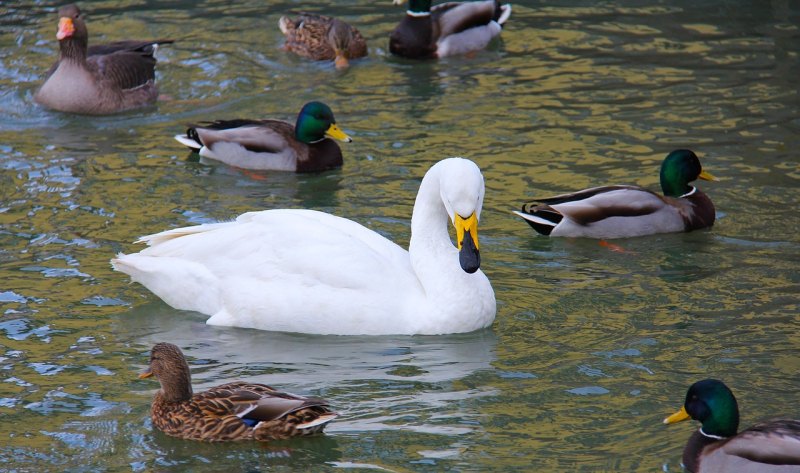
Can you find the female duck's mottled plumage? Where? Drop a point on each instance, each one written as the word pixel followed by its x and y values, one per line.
pixel 232 411
pixel 272 144
pixel 447 29
pixel 100 79
pixel 322 38
pixel 767 447
pixel 629 211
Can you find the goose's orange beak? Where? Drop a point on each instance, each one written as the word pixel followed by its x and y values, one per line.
pixel 65 28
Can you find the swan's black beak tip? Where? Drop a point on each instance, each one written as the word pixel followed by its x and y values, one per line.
pixel 469 257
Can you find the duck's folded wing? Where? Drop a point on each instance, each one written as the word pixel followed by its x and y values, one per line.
pixel 280 405
pixel 259 136
pixel 598 203
pixel 455 17
pixel 774 442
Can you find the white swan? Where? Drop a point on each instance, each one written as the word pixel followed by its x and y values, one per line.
pixel 312 272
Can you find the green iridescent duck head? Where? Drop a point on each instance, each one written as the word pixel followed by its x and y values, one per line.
pixel 712 404
pixel 316 122
pixel 681 167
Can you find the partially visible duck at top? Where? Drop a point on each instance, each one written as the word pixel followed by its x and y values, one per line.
pixel 447 29
pixel 98 80
pixel 272 145
pixel 623 211
pixel 323 38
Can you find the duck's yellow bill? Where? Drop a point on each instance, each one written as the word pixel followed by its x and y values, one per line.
pixel 677 417
pixel 146 374
pixel 336 133
pixel 707 176
pixel 469 224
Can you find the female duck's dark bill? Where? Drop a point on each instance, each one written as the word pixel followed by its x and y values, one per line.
pixel 469 255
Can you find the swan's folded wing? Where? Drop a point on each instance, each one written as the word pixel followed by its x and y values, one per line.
pixel 311 247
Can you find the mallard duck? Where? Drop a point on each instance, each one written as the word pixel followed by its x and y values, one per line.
pixel 272 144
pixel 447 29
pixel 307 271
pixel 232 411
pixel 629 211
pixel 772 446
pixel 322 38
pixel 100 79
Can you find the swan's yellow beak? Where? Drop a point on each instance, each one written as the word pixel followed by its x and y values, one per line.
pixel 467 225
pixel 677 417
pixel 336 133
pixel 707 176
pixel 146 374
pixel 467 241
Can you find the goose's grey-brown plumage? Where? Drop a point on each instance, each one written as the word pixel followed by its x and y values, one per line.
pixel 98 80
pixel 232 411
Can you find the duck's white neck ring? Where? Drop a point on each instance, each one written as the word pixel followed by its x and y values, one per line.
pixel 418 14
pixel 716 437
pixel 694 189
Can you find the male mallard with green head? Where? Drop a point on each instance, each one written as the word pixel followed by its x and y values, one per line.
pixel 447 29
pixel 767 447
pixel 629 211
pixel 323 38
pixel 232 411
pixel 272 144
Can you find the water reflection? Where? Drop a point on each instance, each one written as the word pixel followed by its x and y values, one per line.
pixel 307 360
pixel 592 344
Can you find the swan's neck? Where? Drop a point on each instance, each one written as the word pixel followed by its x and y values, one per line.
pixel 433 255
pixel 429 221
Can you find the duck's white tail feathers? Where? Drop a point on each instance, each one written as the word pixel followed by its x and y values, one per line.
pixel 535 219
pixel 506 13
pixel 323 419
pixel 186 141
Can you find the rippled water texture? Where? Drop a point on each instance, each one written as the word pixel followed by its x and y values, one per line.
pixel 593 345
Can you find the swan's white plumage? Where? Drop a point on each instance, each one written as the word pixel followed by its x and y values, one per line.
pixel 312 272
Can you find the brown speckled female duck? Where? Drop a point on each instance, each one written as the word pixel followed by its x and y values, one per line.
pixel 98 80
pixel 323 38
pixel 767 447
pixel 232 411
